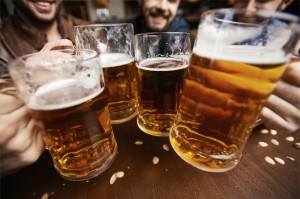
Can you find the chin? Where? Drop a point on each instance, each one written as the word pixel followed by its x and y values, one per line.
pixel 45 17
pixel 157 28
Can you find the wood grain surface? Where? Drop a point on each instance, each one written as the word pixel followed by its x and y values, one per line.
pixel 253 178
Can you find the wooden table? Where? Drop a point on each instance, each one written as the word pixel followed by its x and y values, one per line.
pixel 253 177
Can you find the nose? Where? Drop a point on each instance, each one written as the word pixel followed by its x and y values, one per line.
pixel 163 4
pixel 251 6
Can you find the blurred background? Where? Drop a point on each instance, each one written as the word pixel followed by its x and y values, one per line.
pixel 106 11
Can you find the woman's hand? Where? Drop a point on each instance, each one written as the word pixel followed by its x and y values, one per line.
pixel 58 45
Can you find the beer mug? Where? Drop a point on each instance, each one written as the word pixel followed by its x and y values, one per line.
pixel 64 92
pixel 114 43
pixel 236 61
pixel 161 60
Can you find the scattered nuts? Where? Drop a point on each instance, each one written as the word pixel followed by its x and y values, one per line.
pixel 113 178
pixel 264 131
pixel 273 132
pixel 269 160
pixel 279 160
pixel 290 139
pixel 291 158
pixel 155 160
pixel 275 142
pixel 138 142
pixel 297 145
pixel 263 144
pixel 45 196
pixel 166 147
pixel 120 174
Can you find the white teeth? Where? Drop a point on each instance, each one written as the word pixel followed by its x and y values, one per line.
pixel 42 3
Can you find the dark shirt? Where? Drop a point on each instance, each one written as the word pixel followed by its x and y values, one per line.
pixel 178 25
pixel 17 38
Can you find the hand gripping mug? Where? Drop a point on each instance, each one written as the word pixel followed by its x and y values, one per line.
pixel 64 92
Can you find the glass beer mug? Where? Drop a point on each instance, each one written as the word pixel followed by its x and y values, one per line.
pixel 237 59
pixel 114 43
pixel 64 92
pixel 161 61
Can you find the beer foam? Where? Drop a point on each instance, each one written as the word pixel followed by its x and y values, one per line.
pixel 221 43
pixel 39 101
pixel 244 54
pixel 163 67
pixel 114 59
pixel 227 33
pixel 89 74
pixel 88 78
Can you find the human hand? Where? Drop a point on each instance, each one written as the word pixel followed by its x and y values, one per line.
pixel 21 142
pixel 282 111
pixel 58 45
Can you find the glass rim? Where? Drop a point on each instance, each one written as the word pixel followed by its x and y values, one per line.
pixel 71 51
pixel 162 33
pixel 103 25
pixel 268 13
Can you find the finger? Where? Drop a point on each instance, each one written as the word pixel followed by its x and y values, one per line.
pixel 291 74
pixel 10 123
pixel 36 147
pixel 17 117
pixel 23 139
pixel 273 121
pixel 60 44
pixel 281 107
pixel 9 103
pixel 288 92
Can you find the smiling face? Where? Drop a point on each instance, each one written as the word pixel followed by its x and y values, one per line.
pixel 41 10
pixel 159 14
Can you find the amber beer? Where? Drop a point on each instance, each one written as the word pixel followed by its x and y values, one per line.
pixel 78 133
pixel 65 93
pixel 119 74
pixel 159 83
pixel 222 97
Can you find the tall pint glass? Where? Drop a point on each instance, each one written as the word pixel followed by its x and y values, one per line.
pixel 237 59
pixel 64 93
pixel 161 60
pixel 114 43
